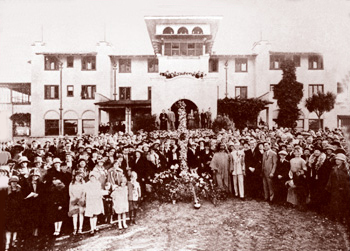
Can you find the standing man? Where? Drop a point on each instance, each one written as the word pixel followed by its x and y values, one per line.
pixel 269 164
pixel 208 115
pixel 253 172
pixel 171 120
pixel 163 117
pixel 203 119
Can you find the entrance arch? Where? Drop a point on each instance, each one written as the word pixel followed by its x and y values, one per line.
pixel 190 106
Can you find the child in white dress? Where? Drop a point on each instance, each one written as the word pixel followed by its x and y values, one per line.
pixel 134 196
pixel 120 202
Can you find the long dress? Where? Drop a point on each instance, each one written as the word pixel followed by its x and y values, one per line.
pixel 76 198
pixel 297 193
pixel 13 210
pixel 120 199
pixel 94 199
pixel 220 164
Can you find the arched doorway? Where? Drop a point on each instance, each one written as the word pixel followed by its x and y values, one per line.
pixel 190 106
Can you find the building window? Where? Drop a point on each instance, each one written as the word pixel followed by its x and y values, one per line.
pixel 213 65
pixel 51 91
pixel 340 88
pixel 314 89
pixel 70 62
pixel 272 89
pixel 88 126
pixel 88 91
pixel 125 65
pixel 241 64
pixel 70 90
pixel 313 124
pixel 149 92
pixel 315 62
pixel 296 60
pixel 152 65
pixel 197 30
pixel 51 127
pixel 125 93
pixel 168 30
pixel 183 49
pixel 241 92
pixel 88 63
pixel 70 126
pixel 275 62
pixel 51 63
pixel 182 30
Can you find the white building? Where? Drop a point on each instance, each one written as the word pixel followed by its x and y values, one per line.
pixel 106 85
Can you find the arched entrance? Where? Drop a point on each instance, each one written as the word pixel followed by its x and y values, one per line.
pixel 190 106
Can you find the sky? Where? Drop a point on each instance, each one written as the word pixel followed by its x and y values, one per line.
pixel 290 25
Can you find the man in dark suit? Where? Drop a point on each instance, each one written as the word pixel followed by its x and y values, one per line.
pixel 269 164
pixel 281 177
pixel 163 117
pixel 252 171
pixel 192 158
pixel 203 119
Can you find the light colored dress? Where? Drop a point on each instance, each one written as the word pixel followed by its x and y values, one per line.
pixel 94 199
pixel 76 198
pixel 120 200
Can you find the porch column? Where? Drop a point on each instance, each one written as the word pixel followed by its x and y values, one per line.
pixel 127 119
pixel 97 118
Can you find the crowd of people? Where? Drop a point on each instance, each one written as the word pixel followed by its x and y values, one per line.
pixel 65 180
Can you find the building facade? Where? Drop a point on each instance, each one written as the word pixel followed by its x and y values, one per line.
pixel 73 92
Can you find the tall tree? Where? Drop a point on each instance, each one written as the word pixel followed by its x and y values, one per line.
pixel 288 93
pixel 320 103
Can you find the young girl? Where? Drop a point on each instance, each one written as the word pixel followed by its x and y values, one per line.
pixel 77 201
pixel 134 191
pixel 94 200
pixel 13 212
pixel 120 202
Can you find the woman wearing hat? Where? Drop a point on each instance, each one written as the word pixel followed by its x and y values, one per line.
pixel 102 172
pixel 77 201
pixel 13 212
pixel 33 201
pixel 339 188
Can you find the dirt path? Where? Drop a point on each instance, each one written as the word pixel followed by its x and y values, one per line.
pixel 233 225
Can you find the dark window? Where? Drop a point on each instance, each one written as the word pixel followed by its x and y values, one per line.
pixel 314 89
pixel 70 126
pixel 213 65
pixel 182 30
pixel 70 62
pixel 275 62
pixel 175 49
pixel 340 88
pixel 315 62
pixel 167 49
pixel 152 65
pixel 241 92
pixel 241 65
pixel 272 89
pixel 51 92
pixel 149 92
pixel 313 124
pixel 125 65
pixel 88 126
pixel 296 60
pixel 21 93
pixel 88 91
pixel 70 90
pixel 183 49
pixel 88 63
pixel 125 93
pixel 51 63
pixel 168 30
pixel 51 127
pixel 197 30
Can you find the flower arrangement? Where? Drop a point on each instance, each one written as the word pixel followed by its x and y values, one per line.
pixel 174 74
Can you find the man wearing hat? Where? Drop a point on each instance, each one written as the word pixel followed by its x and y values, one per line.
pixel 281 177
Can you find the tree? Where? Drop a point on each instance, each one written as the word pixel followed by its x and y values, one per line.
pixel 288 93
pixel 243 112
pixel 222 122
pixel 320 103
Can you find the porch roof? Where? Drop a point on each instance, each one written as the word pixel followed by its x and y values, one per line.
pixel 125 103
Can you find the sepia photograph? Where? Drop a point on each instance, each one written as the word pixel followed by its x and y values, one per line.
pixel 174 125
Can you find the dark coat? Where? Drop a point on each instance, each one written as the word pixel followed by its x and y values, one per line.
pixel 14 210
pixel 192 160
pixel 57 203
